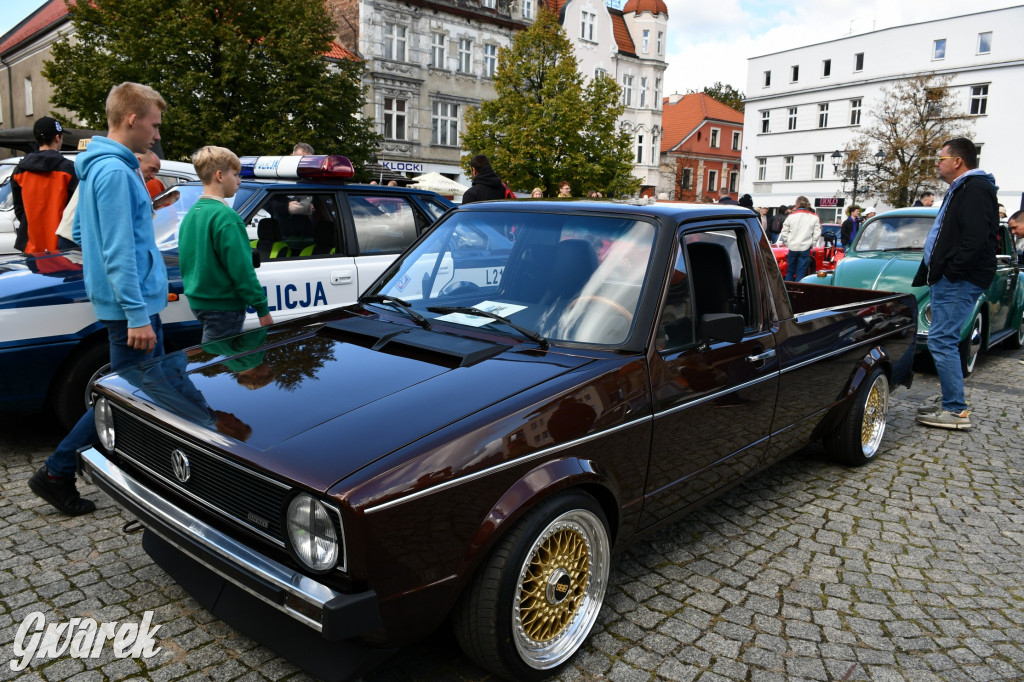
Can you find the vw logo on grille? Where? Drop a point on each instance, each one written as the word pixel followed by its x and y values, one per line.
pixel 179 462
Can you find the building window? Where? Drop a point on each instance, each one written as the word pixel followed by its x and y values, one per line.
pixel 765 119
pixel 735 140
pixel 657 93
pixel 734 180
pixel 465 55
pixel 639 149
pixel 762 169
pixel 627 90
pixel 855 112
pixel 587 21
pixel 712 181
pixel 794 74
pixel 978 148
pixel 791 123
pixel 661 36
pixel 819 166
pixel 858 61
pixel 527 9
pixel 646 41
pixel 826 68
pixel 713 143
pixel 787 165
pixel 985 42
pixel 490 60
pixel 444 124
pixel 598 72
pixel 654 148
pixel 437 44
pixel 489 4
pixel 29 111
pixel 394 118
pixel 939 49
pixel 767 79
pixel 643 92
pixel 823 115
pixel 687 180
pixel 979 100
pixel 394 42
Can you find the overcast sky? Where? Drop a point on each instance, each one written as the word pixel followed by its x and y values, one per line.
pixel 712 41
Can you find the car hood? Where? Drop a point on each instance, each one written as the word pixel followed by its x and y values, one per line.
pixel 357 389
pixel 882 271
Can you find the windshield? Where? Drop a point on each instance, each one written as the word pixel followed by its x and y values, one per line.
pixel 166 220
pixel 6 200
pixel 905 233
pixel 569 278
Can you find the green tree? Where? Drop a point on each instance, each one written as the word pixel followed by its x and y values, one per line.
pixel 908 125
pixel 724 93
pixel 545 125
pixel 244 74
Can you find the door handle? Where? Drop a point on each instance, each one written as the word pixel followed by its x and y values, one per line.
pixel 761 357
pixel 341 277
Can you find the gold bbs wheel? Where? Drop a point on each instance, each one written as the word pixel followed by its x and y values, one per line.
pixel 562 582
pixel 876 408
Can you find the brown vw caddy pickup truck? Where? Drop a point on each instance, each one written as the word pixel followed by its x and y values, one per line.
pixel 531 387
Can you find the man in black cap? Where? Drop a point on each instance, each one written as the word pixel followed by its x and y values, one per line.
pixel 41 187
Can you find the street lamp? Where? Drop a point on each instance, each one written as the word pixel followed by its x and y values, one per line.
pixel 854 173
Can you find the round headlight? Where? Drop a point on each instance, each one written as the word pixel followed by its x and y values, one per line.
pixel 311 533
pixel 926 315
pixel 104 417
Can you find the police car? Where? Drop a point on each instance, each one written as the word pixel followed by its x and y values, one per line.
pixel 321 240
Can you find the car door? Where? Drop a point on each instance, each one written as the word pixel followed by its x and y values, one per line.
pixel 380 226
pixel 713 400
pixel 1001 293
pixel 304 263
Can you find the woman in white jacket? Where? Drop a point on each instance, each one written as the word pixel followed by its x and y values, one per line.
pixel 800 233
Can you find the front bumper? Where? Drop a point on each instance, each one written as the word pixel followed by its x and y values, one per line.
pixel 333 614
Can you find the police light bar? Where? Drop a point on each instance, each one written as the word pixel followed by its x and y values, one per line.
pixel 321 167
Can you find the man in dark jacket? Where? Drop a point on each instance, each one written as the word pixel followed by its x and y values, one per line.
pixel 41 187
pixel 486 183
pixel 959 264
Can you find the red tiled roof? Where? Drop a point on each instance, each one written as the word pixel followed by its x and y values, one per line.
pixel 652 6
pixel 623 40
pixel 556 6
pixel 336 51
pixel 682 118
pixel 53 12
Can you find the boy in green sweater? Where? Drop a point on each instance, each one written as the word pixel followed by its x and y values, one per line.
pixel 214 251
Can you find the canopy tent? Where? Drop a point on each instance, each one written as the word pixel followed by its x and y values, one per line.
pixel 435 182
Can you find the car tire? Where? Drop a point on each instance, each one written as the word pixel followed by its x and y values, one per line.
pixel 532 604
pixel 970 347
pixel 857 438
pixel 1017 340
pixel 72 383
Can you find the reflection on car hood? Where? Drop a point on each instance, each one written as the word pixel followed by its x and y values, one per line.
pixel 360 403
pixel 882 271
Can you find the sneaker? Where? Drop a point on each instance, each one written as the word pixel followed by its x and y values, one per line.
pixel 60 492
pixel 931 405
pixel 945 420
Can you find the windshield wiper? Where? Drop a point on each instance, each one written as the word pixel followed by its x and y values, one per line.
pixel 903 248
pixel 528 333
pixel 398 304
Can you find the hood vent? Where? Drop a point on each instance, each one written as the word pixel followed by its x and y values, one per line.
pixel 445 350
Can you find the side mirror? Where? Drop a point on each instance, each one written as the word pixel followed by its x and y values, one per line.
pixel 255 258
pixel 721 327
pixel 166 200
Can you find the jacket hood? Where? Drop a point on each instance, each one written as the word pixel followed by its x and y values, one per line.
pixel 317 403
pixel 43 162
pixel 488 178
pixel 103 148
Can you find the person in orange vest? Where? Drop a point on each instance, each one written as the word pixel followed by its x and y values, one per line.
pixel 149 166
pixel 41 186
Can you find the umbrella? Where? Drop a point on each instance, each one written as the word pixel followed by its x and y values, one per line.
pixel 435 182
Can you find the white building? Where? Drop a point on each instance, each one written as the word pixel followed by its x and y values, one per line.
pixel 804 104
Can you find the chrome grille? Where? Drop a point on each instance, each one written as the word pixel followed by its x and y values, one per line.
pixel 223 486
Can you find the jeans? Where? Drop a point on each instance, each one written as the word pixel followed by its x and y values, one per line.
pixel 219 323
pixel 64 460
pixel 797 263
pixel 952 303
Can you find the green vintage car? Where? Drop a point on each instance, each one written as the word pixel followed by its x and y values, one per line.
pixel 885 256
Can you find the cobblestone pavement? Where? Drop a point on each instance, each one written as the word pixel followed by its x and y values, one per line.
pixel 910 568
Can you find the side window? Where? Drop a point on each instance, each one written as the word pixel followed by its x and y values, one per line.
pixel 675 328
pixel 384 224
pixel 719 262
pixel 295 226
pixel 435 208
